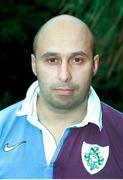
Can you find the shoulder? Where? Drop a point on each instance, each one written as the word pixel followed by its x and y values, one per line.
pixel 8 118
pixel 112 119
pixel 109 111
pixel 9 113
pixel 10 109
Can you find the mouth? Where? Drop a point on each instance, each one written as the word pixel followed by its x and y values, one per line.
pixel 64 91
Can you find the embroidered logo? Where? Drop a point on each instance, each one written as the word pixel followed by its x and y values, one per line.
pixel 94 157
pixel 8 148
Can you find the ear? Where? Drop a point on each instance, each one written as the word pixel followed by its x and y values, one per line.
pixel 95 64
pixel 33 63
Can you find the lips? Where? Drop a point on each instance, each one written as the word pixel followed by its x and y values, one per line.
pixel 64 91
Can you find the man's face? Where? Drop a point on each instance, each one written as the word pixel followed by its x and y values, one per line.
pixel 64 67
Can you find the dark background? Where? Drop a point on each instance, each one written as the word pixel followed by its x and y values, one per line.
pixel 20 20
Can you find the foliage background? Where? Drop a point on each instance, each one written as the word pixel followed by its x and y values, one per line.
pixel 20 20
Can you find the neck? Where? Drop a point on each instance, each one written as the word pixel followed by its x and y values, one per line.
pixel 57 120
pixel 53 115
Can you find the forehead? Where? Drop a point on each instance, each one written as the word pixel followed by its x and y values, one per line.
pixel 64 37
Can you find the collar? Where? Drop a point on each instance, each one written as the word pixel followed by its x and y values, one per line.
pixel 94 112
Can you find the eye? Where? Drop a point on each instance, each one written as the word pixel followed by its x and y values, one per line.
pixel 52 61
pixel 77 60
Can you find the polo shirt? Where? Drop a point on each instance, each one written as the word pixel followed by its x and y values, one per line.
pixel 91 149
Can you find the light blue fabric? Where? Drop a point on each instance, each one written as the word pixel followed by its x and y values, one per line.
pixel 27 160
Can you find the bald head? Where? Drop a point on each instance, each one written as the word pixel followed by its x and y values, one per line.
pixel 64 26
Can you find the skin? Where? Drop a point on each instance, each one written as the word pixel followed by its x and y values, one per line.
pixel 64 65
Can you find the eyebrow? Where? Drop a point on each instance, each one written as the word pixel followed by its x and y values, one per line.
pixel 48 54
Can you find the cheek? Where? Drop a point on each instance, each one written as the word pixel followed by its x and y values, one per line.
pixel 83 74
pixel 46 71
pixel 46 77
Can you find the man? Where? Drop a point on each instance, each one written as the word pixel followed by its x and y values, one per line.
pixel 61 129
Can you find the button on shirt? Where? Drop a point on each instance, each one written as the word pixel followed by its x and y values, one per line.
pixel 94 115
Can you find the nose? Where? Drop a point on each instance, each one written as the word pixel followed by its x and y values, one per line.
pixel 64 73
